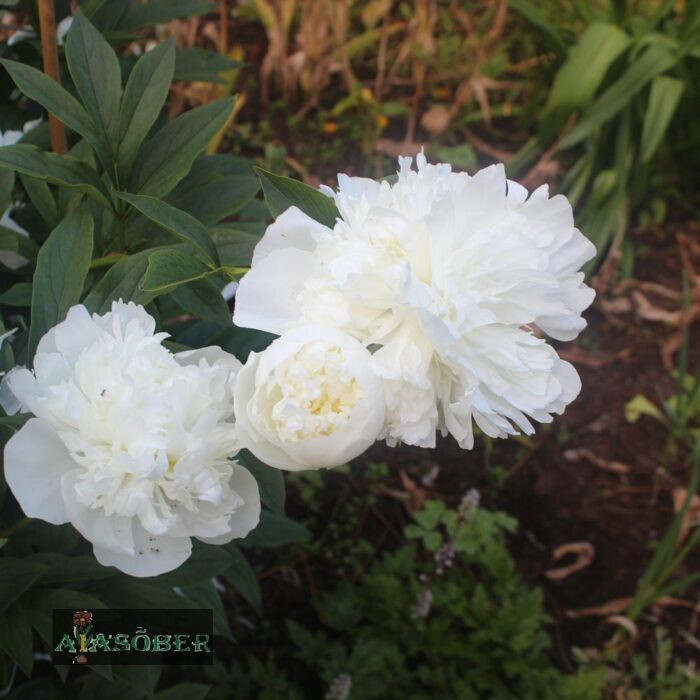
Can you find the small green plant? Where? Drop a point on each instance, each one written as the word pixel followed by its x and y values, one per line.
pixel 444 616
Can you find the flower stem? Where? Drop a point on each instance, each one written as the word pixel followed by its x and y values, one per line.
pixel 107 260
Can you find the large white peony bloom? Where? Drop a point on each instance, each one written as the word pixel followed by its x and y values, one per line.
pixel 310 400
pixel 129 442
pixel 447 274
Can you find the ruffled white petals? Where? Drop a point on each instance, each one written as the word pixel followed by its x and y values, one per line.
pixel 447 274
pixel 310 400
pixel 35 460
pixel 136 442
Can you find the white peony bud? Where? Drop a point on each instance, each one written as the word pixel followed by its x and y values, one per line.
pixel 130 443
pixel 310 400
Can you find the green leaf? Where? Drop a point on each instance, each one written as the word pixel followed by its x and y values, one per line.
pixel 215 199
pixel 122 281
pixel 57 100
pixel 655 60
pixel 270 481
pixel 196 64
pixel 127 592
pixel 663 99
pixel 205 562
pixel 203 299
pixel 275 530
pixel 18 243
pixel 40 194
pixel 62 265
pixel 582 73
pixel 533 14
pixel 283 192
pixel 176 221
pixel 16 576
pixel 58 170
pixel 241 576
pixel 184 691
pixel 95 70
pixel 144 97
pixel 205 595
pixel 16 637
pixel 168 269
pixel 61 569
pixel 640 406
pixel 235 247
pixel 7 185
pixel 167 157
pixel 19 294
pixel 41 602
pixel 142 14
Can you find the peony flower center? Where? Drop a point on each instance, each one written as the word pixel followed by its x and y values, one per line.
pixel 314 394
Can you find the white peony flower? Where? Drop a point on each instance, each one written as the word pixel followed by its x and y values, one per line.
pixel 310 400
pixel 129 442
pixel 448 274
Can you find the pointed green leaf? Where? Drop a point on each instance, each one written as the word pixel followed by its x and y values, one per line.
pixel 203 299
pixel 58 170
pixel 42 199
pixel 122 281
pixel 656 59
pixel 663 99
pixel 16 576
pixel 283 192
pixel 144 97
pixel 57 100
pixel 196 64
pixel 241 575
pixel 175 221
pixel 270 481
pixel 274 531
pixel 168 269
pixel 95 70
pixel 62 265
pixel 167 156
pixel 142 14
pixel 582 73
pixel 16 636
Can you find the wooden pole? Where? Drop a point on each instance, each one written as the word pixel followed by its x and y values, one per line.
pixel 223 27
pixel 49 51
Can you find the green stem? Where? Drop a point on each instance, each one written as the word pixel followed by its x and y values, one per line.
pixel 107 260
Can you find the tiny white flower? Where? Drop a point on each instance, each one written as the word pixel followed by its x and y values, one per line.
pixel 445 276
pixel 28 33
pixel 310 400
pixel 12 136
pixel 9 258
pixel 130 443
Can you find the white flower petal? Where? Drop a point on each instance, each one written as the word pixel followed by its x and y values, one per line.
pixel 153 554
pixel 35 460
pixel 292 229
pixel 247 516
pixel 267 295
pixel 109 531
